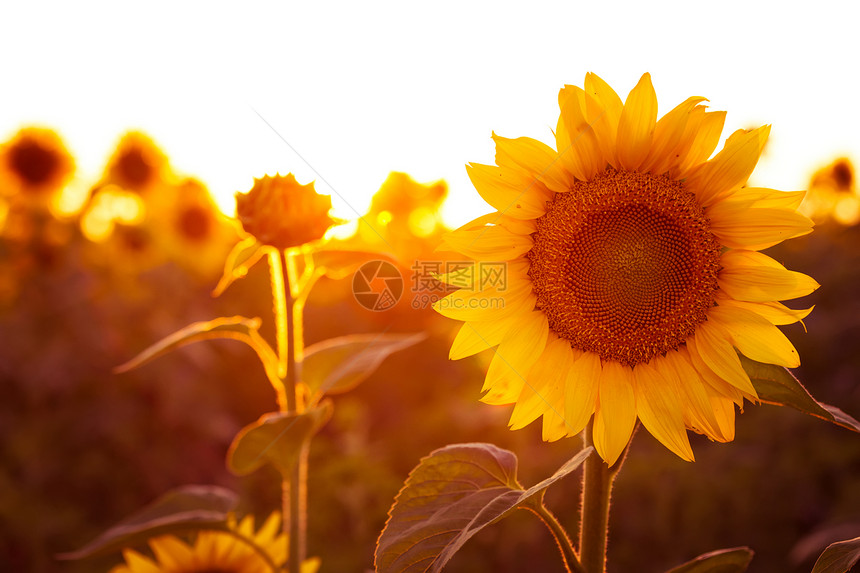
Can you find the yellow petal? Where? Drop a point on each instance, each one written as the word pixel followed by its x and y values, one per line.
pixel 755 277
pixel 606 97
pixel 543 384
pixel 138 563
pixel 576 139
pixel 637 123
pixel 659 407
pixel 514 357
pixel 170 551
pixel 769 198
pixel 711 379
pixel 495 243
pixel 580 391
pixel 774 312
pixel 738 225
pixel 724 411
pixel 477 336
pixel 667 137
pixel 509 190
pixel 700 140
pixel 711 343
pixel 755 337
pixel 615 416
pixel 698 412
pixel 537 159
pixel 730 168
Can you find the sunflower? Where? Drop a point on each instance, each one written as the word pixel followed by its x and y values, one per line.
pixel 34 165
pixel 217 551
pixel 633 271
pixel 283 213
pixel 136 165
pixel 194 231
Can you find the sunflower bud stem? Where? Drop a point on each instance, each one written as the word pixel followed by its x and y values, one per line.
pixel 288 318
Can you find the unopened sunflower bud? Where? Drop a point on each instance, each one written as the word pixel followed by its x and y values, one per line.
pixel 281 212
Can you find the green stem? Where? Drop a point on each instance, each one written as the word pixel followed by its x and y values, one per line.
pixel 289 323
pixel 562 539
pixel 596 490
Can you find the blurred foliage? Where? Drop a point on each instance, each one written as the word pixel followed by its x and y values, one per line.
pixel 82 290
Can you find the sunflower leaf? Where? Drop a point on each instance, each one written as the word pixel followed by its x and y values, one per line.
pixel 734 560
pixel 839 557
pixel 776 385
pixel 450 496
pixel 244 255
pixel 276 438
pixel 181 509
pixel 340 364
pixel 233 327
pixel 338 264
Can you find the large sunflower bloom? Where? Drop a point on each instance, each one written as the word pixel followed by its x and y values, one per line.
pixel 633 271
pixel 217 551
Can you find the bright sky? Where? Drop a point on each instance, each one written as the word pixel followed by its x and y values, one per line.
pixel 354 90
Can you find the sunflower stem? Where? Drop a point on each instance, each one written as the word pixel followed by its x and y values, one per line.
pixel 288 319
pixel 594 525
pixel 562 539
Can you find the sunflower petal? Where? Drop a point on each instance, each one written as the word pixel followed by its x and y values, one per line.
pixel 543 384
pixel 712 345
pixel 739 226
pixel 774 312
pixel 667 137
pixel 615 417
pixel 659 407
pixel 171 552
pixel 516 354
pixel 494 243
pixel 509 190
pixel 730 168
pixel 537 159
pixel 580 392
pixel 138 563
pixel 699 141
pixel 755 277
pixel 576 139
pixel 755 337
pixel 488 304
pixel 769 198
pixel 636 125
pixel 698 412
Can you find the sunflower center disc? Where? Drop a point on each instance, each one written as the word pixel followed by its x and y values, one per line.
pixel 624 265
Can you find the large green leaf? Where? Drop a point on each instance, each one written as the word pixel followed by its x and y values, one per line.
pixel 233 327
pixel 244 255
pixel 839 557
pixel 275 438
pixel 776 385
pixel 450 496
pixel 340 364
pixel 734 560
pixel 182 509
pixel 337 264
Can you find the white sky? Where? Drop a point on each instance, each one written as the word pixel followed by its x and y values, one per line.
pixel 359 89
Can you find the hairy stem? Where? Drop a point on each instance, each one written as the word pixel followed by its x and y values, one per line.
pixel 562 539
pixel 594 525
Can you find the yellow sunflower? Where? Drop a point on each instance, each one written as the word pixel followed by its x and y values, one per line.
pixel 34 165
pixel 633 271
pixel 218 551
pixel 136 165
